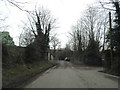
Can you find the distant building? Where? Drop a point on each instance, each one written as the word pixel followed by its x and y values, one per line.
pixel 6 38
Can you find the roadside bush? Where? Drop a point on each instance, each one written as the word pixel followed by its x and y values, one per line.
pixel 92 58
pixel 92 54
pixel 112 66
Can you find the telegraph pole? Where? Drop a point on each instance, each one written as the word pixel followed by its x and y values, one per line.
pixel 111 47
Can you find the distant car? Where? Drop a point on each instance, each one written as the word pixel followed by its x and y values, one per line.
pixel 67 59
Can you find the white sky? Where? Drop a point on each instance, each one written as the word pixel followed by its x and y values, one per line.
pixel 67 12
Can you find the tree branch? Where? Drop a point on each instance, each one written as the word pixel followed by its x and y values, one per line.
pixel 105 7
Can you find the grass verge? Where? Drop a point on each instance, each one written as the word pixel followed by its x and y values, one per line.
pixel 13 77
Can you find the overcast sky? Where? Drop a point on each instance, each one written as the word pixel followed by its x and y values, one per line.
pixel 66 11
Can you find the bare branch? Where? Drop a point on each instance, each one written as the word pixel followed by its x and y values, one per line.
pixel 15 3
pixel 106 7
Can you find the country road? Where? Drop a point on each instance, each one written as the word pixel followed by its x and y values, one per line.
pixel 65 75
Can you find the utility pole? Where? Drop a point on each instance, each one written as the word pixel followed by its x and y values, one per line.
pixel 111 47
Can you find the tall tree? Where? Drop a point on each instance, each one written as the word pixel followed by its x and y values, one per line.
pixel 55 42
pixel 88 33
pixel 40 24
pixel 116 28
pixel 113 36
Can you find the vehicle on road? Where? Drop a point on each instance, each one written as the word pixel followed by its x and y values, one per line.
pixel 67 59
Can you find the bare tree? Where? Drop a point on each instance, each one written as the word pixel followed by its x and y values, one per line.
pixel 73 39
pixel 55 42
pixel 39 22
pixel 95 21
pixel 17 4
pixel 86 28
pixel 108 4
pixel 37 30
pixel 89 31
pixel 26 37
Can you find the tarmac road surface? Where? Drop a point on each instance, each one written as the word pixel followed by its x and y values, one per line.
pixel 65 75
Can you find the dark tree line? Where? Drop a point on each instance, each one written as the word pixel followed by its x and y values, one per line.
pixel 96 36
pixel 87 35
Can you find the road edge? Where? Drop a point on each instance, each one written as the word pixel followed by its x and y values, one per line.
pixel 110 75
pixel 34 77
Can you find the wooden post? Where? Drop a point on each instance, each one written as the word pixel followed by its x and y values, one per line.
pixel 111 47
